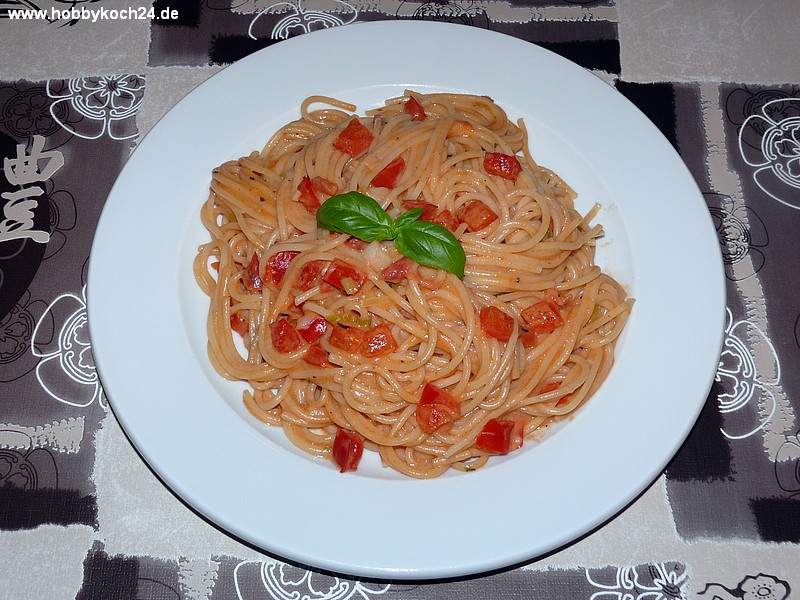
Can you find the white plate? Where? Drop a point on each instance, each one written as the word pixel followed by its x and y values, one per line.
pixel 147 316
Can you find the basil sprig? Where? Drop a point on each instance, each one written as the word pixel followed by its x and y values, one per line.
pixel 423 242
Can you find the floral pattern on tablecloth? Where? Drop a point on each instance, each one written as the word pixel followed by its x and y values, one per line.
pixel 215 33
pixel 734 484
pixel 60 156
pixel 747 436
pixel 224 577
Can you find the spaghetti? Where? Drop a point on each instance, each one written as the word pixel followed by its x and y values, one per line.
pixel 350 344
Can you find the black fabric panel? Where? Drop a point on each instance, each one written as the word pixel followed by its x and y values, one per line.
pixel 26 509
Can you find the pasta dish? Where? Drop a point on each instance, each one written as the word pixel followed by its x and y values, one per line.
pixel 409 282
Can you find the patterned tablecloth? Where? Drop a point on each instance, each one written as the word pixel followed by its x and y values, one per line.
pixel 81 516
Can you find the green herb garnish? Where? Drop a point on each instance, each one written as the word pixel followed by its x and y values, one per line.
pixel 423 242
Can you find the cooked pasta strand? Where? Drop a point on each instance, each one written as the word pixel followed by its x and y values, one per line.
pixel 267 271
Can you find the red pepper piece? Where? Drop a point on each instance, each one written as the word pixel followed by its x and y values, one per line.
pixel 500 436
pixel 496 323
pixel 314 329
pixel 388 176
pixel 415 109
pixel 353 139
pixel 251 276
pixel 428 209
pixel 344 276
pixel 239 323
pixel 476 214
pixel 397 271
pixel 506 166
pixel 348 339
pixel 309 275
pixel 277 265
pixel 347 450
pixel 285 338
pixel 542 317
pixel 308 197
pixel 436 408
pixel 378 341
pixel 446 219
pixel 316 355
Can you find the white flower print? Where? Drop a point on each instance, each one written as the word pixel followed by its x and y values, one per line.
pixel 644 582
pixel 107 105
pixel 282 581
pixel 66 368
pixel 303 19
pixel 770 142
pixel 748 402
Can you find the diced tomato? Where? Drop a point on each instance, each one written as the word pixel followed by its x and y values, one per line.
pixel 316 356
pixel 347 450
pixel 431 212
pixel 542 317
pixel 428 209
pixel 344 276
pixel 309 275
pixel 397 271
pixel 314 329
pixel 528 338
pixel 476 215
pixel 501 436
pixel 378 341
pixel 496 323
pixel 314 190
pixel 431 394
pixel 348 339
pixel 506 166
pixel 308 197
pixel 356 244
pixel 446 219
pixel 323 187
pixel 353 139
pixel 387 178
pixel 277 264
pixel 251 277
pixel 284 336
pixel 239 323
pixel 414 108
pixel 436 408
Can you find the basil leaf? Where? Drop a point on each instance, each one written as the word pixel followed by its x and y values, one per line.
pixel 423 242
pixel 407 217
pixel 356 214
pixel 431 245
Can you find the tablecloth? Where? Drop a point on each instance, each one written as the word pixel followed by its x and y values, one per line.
pixel 81 515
